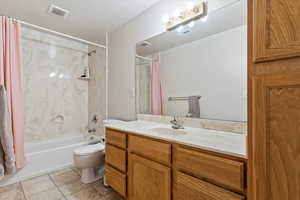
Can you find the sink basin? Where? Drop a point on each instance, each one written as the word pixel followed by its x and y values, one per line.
pixel 168 131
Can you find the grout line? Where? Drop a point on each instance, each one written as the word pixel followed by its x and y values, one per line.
pixel 23 191
pixel 64 196
pixel 76 171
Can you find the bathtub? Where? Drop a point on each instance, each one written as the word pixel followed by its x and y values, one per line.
pixel 46 157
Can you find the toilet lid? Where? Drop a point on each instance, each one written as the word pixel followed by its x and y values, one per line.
pixel 89 149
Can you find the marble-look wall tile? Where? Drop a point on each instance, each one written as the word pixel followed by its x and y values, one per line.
pixel 142 77
pixel 97 88
pixel 55 100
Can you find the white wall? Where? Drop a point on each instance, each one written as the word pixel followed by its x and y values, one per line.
pixel 122 57
pixel 215 68
pixel 122 43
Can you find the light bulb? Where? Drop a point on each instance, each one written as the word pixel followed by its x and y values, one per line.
pixel 190 6
pixel 191 24
pixel 204 19
pixel 52 74
pixel 61 76
pixel 179 29
pixel 165 19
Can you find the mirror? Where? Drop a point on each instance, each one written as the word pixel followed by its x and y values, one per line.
pixel 198 71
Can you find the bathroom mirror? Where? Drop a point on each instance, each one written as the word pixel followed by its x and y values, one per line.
pixel 203 63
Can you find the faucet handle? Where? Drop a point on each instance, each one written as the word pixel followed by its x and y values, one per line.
pixel 174 119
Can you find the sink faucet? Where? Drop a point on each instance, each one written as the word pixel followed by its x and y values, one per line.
pixel 176 124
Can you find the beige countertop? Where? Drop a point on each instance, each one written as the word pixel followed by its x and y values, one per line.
pixel 218 141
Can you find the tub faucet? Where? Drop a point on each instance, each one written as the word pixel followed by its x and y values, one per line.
pixel 176 124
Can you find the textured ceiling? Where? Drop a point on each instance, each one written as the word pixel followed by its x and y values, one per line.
pixel 89 19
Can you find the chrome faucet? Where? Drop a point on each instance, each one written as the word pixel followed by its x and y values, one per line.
pixel 176 124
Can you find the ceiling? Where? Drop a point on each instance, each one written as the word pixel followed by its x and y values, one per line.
pixel 222 16
pixel 88 19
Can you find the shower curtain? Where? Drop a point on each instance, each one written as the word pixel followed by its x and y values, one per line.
pixel 11 79
pixel 155 90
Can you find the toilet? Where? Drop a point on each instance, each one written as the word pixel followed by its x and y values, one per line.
pixel 90 159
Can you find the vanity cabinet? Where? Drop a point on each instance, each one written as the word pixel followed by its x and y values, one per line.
pixel 144 168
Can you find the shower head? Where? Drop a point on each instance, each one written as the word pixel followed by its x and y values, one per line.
pixel 91 53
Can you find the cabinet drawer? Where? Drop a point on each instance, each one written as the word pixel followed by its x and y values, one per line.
pixel 155 150
pixel 116 138
pixel 187 187
pixel 116 157
pixel 212 168
pixel 116 180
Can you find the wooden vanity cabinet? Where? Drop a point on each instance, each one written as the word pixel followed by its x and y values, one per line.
pixel 162 170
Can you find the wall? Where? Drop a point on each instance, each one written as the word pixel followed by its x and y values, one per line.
pixel 215 68
pixel 97 88
pixel 122 43
pixel 55 100
pixel 122 54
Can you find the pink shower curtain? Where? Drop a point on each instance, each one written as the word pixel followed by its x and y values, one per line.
pixel 155 89
pixel 11 78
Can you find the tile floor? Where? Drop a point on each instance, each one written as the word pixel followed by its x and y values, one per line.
pixel 61 185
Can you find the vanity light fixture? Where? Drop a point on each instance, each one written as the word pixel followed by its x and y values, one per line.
pixel 186 17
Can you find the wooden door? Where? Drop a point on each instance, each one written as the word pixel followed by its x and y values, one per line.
pixel 274 99
pixel 148 180
pixel 276 28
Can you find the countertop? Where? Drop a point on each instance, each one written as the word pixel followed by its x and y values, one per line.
pixel 217 141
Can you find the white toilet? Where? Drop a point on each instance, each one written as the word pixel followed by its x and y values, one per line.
pixel 90 159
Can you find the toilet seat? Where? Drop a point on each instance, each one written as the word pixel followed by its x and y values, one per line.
pixel 89 149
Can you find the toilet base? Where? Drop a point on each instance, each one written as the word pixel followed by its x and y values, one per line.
pixel 89 175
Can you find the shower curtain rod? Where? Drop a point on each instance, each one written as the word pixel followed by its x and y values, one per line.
pixel 56 33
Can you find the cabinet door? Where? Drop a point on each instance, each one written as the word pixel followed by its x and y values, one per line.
pixel 148 180
pixel 276 159
pixel 276 29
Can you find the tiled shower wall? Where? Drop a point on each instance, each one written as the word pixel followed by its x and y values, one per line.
pixel 142 77
pixel 56 102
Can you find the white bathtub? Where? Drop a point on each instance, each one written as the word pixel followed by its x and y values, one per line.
pixel 45 157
